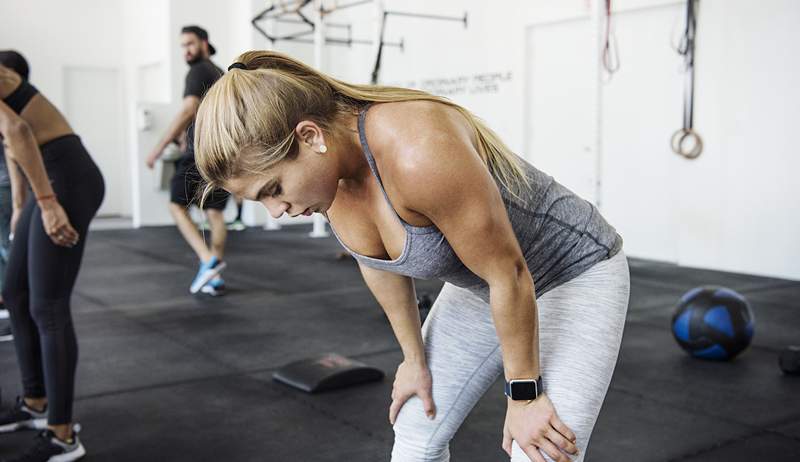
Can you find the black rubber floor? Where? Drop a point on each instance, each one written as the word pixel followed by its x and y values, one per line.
pixel 165 376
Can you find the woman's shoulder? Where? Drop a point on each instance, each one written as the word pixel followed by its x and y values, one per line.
pixel 408 116
pixel 399 131
pixel 9 81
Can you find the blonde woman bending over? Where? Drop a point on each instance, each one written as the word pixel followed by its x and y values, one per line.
pixel 414 186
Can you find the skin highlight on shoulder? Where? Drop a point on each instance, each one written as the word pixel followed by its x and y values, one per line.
pixel 416 142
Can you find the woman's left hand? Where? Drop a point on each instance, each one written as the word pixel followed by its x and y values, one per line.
pixel 57 225
pixel 412 378
pixel 535 427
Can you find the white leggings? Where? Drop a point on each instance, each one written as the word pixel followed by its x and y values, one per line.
pixel 580 331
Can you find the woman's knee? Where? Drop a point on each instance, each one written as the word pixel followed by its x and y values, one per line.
pixel 419 448
pixel 50 313
pixel 418 438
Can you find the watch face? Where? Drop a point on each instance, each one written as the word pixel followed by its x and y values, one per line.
pixel 523 389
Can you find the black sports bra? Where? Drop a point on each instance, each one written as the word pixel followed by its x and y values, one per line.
pixel 20 97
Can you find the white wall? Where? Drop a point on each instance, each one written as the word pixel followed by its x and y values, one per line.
pixel 147 70
pixel 435 51
pixel 79 35
pixel 50 37
pixel 735 207
pixel 749 108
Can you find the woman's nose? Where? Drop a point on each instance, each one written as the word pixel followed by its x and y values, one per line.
pixel 276 208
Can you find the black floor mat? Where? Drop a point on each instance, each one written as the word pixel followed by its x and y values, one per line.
pixel 164 375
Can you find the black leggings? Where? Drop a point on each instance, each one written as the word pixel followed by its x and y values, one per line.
pixel 40 277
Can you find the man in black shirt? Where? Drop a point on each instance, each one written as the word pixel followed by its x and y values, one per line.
pixel 186 185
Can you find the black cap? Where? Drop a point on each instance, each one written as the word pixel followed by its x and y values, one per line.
pixel 202 34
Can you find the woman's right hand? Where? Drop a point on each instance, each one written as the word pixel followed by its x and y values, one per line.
pixel 57 225
pixel 537 429
pixel 412 378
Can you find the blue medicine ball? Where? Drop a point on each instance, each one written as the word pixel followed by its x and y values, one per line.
pixel 713 323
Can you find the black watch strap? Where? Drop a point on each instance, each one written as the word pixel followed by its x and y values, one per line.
pixel 524 389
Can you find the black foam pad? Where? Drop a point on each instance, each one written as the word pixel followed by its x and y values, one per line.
pixel 327 372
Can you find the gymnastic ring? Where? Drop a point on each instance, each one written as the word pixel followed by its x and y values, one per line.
pixel 679 139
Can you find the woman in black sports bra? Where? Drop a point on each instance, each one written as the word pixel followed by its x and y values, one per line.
pixel 66 188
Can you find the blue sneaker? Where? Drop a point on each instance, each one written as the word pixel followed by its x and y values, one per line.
pixel 207 272
pixel 215 287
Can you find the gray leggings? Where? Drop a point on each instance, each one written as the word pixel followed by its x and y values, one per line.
pixel 580 331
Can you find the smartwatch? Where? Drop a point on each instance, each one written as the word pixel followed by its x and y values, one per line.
pixel 524 389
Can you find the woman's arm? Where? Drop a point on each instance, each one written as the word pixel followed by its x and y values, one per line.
pixel 24 151
pixel 436 172
pixel 395 293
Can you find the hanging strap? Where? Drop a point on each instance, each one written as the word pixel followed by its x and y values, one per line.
pixel 686 141
pixel 610 49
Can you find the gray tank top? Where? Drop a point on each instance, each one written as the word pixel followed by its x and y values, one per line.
pixel 560 234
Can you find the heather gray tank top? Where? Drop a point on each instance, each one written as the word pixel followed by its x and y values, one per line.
pixel 560 234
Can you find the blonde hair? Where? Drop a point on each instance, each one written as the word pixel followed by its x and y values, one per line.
pixel 255 112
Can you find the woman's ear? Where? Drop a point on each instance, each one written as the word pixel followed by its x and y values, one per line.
pixel 310 134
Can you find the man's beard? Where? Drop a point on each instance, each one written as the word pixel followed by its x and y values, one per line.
pixel 195 59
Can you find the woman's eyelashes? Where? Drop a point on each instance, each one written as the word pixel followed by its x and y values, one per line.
pixel 269 190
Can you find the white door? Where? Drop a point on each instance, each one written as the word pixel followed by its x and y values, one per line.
pixel 94 109
pixel 560 90
pixel 640 110
pixel 644 191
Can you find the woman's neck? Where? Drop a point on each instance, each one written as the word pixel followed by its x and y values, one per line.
pixel 353 165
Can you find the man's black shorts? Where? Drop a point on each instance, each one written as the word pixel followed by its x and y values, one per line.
pixel 187 187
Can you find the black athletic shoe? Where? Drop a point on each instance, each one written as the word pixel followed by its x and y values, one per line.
pixel 47 448
pixel 22 417
pixel 5 332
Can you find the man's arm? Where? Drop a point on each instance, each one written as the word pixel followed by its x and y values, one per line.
pixel 176 128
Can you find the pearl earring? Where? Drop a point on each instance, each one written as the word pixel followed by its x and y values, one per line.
pixel 323 149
